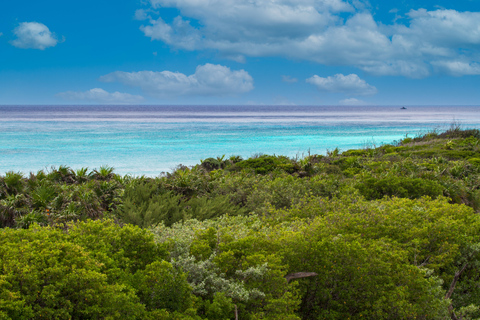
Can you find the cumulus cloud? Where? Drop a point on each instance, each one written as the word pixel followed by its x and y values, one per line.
pixel 180 33
pixel 101 96
pixel 208 79
pixel 289 79
pixel 350 84
pixel 34 35
pixel 330 32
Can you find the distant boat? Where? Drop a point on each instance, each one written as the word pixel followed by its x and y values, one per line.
pixel 403 108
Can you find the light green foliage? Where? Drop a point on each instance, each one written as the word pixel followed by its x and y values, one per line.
pixel 160 286
pixel 361 279
pixel 432 231
pixel 221 308
pixel 122 250
pixel 223 256
pixel 405 235
pixel 45 276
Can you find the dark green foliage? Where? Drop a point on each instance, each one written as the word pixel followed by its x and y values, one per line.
pixel 162 208
pixel 210 208
pixel 56 197
pixel 266 164
pixel 211 164
pixel 403 187
pixel 42 195
pixel 13 183
pixel 169 208
pixel 145 204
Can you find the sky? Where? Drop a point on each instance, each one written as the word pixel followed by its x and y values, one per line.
pixel 240 52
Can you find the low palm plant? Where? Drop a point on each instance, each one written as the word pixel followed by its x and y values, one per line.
pixel 81 175
pixel 103 173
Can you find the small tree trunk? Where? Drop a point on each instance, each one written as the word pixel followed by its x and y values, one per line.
pixel 236 312
pixel 450 291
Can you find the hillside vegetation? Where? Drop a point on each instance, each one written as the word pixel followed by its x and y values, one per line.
pixel 389 232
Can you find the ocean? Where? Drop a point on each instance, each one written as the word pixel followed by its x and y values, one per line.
pixel 148 140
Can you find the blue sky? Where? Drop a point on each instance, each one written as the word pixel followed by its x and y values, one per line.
pixel 304 52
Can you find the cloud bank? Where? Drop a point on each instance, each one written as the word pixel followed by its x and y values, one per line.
pixel 33 35
pixel 208 80
pixel 350 84
pixel 330 32
pixel 101 96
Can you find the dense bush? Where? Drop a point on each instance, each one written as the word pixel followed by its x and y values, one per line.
pixel 265 164
pixel 43 275
pixel 403 187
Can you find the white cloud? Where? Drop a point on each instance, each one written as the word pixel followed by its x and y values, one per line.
pixel 289 79
pixel 350 84
pixel 352 102
pixel 446 27
pixel 208 79
pixel 180 33
pixel 229 23
pixel 101 96
pixel 140 14
pixel 457 68
pixel 34 35
pixel 330 32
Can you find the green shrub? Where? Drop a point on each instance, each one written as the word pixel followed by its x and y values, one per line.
pixel 160 286
pixel 475 162
pixel 355 152
pixel 209 208
pixel 266 164
pixel 44 276
pixel 211 164
pixel 164 208
pixel 122 250
pixel 403 187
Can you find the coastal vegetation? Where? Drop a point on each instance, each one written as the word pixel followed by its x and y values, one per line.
pixel 387 232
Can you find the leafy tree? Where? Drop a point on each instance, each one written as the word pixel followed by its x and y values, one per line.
pixel 45 276
pixel 160 286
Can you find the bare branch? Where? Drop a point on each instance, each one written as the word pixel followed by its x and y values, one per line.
pixel 452 287
pixel 299 275
pixel 454 281
pixel 424 262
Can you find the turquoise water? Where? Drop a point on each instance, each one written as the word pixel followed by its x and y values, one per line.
pixel 146 140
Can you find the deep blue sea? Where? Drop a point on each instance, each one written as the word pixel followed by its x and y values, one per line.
pixel 146 140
